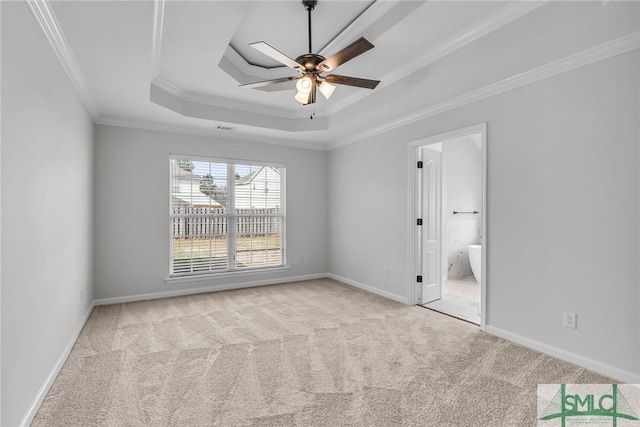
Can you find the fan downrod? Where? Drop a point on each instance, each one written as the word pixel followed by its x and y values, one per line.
pixel 309 5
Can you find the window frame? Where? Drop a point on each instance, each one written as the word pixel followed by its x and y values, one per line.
pixel 231 215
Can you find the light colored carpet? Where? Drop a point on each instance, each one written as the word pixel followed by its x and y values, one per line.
pixel 315 353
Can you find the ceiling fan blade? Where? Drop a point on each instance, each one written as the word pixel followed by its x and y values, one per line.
pixel 352 81
pixel 356 48
pixel 275 54
pixel 276 87
pixel 268 82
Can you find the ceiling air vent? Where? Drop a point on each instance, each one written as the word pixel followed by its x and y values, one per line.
pixel 224 128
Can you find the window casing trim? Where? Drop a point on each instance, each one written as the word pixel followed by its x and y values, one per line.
pixel 229 161
pixel 231 215
pixel 201 277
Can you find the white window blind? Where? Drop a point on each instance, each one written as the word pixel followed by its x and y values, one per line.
pixel 226 215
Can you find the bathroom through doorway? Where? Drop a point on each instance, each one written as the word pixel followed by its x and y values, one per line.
pixel 449 194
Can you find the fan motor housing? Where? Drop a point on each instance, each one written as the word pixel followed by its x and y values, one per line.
pixel 309 61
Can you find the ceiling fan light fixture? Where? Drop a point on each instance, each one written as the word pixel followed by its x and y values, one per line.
pixel 304 85
pixel 302 98
pixel 326 89
pixel 312 65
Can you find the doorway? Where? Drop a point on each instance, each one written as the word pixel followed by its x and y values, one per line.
pixel 447 224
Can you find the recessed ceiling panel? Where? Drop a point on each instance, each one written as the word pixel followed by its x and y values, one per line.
pixel 196 37
pixel 284 25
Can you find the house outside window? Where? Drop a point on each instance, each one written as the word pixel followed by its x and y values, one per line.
pixel 226 215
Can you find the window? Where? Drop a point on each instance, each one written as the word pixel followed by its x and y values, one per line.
pixel 226 215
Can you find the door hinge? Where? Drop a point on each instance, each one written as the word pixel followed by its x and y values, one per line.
pixel 420 164
pixel 419 221
pixel 419 279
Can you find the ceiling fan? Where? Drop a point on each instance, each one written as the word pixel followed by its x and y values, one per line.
pixel 311 66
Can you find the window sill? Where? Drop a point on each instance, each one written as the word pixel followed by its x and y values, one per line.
pixel 226 274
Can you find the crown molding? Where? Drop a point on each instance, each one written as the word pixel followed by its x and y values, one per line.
pixel 357 27
pixel 156 44
pixel 216 101
pixel 251 72
pixel 210 112
pixel 235 135
pixel 580 59
pixel 376 11
pixel 493 22
pixel 189 96
pixel 49 25
pixel 230 54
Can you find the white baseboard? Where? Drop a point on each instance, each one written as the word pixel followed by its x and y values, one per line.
pixel 193 291
pixel 368 288
pixel 35 405
pixel 593 365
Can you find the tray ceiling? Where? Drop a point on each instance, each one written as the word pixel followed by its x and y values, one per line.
pixel 176 65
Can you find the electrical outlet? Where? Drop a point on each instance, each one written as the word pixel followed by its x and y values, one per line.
pixel 306 260
pixel 385 271
pixel 570 320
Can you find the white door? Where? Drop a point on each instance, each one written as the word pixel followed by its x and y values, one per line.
pixel 431 207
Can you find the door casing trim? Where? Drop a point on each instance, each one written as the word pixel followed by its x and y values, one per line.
pixel 413 263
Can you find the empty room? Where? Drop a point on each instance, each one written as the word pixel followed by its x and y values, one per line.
pixel 320 213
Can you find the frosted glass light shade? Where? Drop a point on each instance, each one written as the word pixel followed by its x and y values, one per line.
pixel 302 98
pixel 326 89
pixel 304 85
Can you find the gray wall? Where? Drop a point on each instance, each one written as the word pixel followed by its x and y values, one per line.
pixel 563 213
pixel 367 191
pixel 47 183
pixel 132 207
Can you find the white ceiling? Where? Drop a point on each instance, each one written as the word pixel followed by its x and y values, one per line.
pixel 329 20
pixel 176 65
